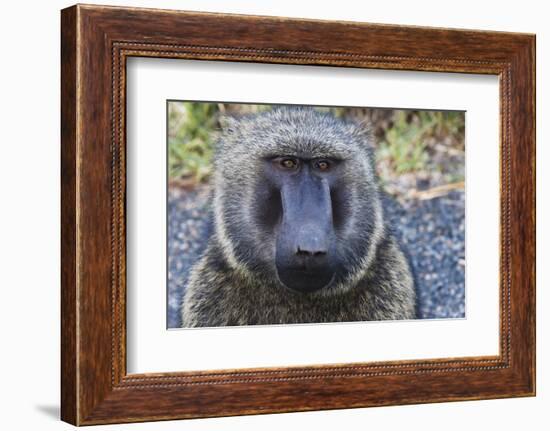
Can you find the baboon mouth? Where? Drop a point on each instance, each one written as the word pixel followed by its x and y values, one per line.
pixel 304 280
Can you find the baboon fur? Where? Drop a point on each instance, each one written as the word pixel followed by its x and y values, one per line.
pixel 235 282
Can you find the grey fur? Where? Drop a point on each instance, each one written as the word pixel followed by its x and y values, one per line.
pixel 235 281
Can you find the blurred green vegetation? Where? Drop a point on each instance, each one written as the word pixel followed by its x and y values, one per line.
pixel 190 139
pixel 406 141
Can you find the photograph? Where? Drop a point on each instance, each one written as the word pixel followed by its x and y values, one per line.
pixel 293 214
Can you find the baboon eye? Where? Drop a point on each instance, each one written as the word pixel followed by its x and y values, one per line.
pixel 322 165
pixel 288 163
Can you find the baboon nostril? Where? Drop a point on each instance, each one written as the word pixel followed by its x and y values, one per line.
pixel 310 253
pixel 301 252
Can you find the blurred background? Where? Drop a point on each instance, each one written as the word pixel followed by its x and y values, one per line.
pixel 420 158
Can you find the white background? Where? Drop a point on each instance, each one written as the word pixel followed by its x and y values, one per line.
pixel 151 348
pixel 29 227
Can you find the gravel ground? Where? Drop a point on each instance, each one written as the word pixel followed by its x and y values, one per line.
pixel 431 231
pixel 189 225
pixel 432 234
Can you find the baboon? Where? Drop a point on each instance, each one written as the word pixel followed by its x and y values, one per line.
pixel 299 231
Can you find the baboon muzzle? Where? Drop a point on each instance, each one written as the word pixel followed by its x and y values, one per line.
pixel 305 234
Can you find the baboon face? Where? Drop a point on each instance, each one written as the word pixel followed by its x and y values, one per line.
pixel 296 200
pixel 300 214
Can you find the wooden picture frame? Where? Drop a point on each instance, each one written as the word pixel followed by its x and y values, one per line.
pixel 95 43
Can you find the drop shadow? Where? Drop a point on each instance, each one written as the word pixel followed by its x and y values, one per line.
pixel 52 411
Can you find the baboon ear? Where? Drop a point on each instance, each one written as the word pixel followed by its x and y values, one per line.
pixel 362 130
pixel 229 124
